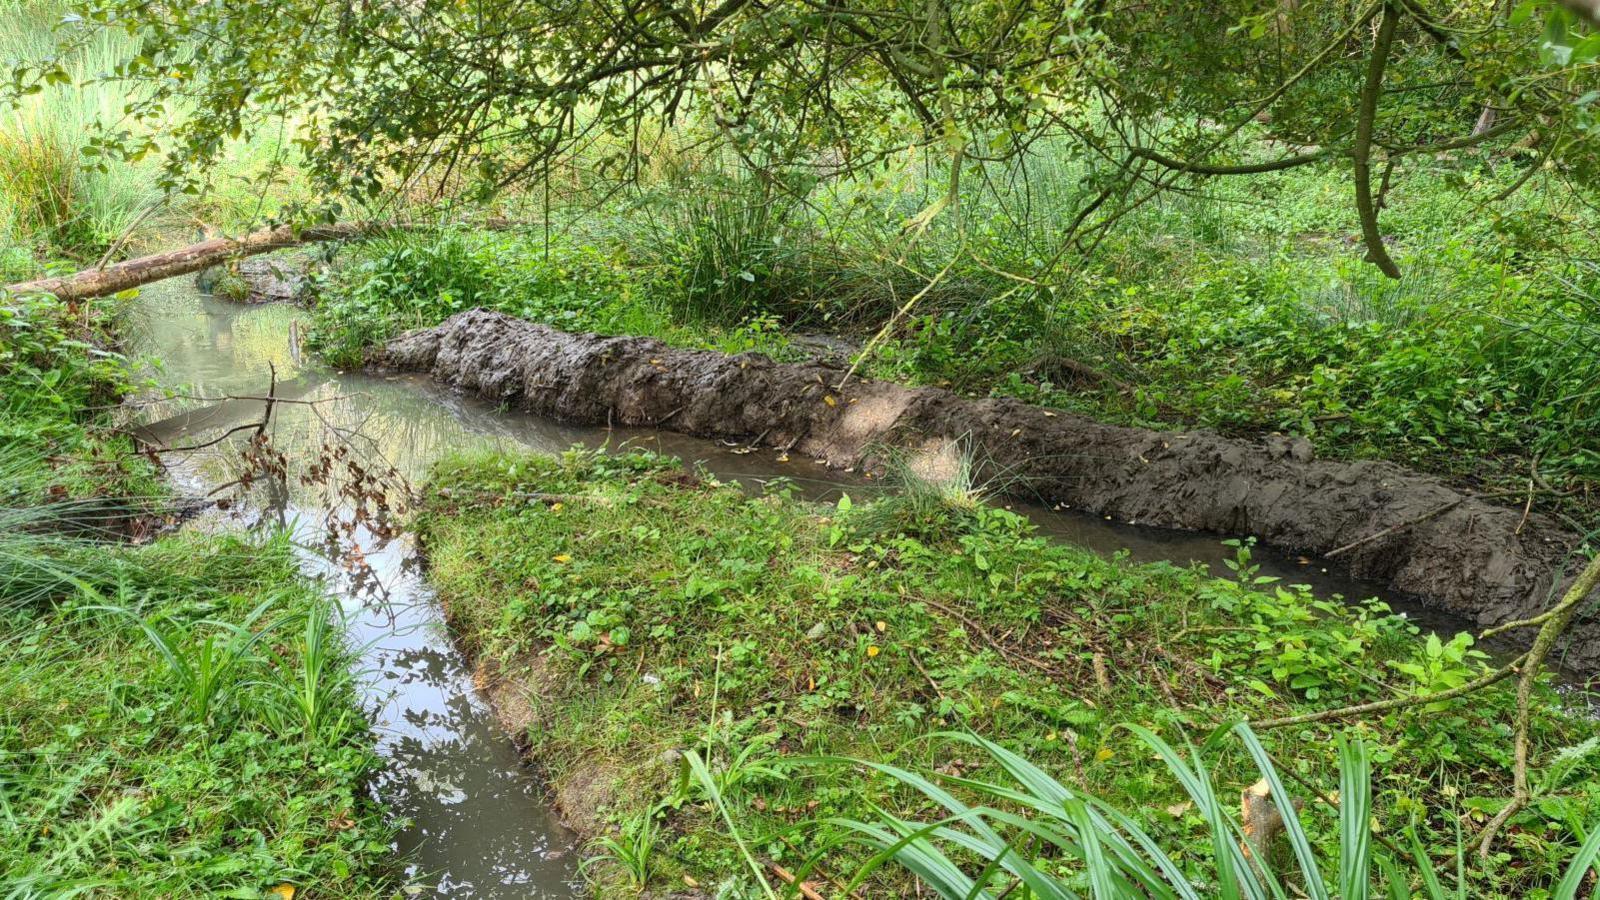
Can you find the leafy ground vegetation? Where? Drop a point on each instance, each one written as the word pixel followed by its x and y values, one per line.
pixel 640 617
pixel 177 718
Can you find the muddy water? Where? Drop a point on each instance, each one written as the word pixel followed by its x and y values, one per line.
pixel 478 823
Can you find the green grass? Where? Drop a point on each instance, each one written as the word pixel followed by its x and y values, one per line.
pixel 1029 830
pixel 130 766
pixel 639 615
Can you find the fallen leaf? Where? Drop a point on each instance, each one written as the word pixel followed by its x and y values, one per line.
pixel 828 399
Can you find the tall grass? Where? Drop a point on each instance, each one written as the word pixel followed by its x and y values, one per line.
pixel 1055 841
pixel 51 195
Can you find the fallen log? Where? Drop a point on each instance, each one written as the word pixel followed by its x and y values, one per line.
pixel 122 276
pixel 105 280
pixel 1418 534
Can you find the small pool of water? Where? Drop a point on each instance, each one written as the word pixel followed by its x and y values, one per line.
pixel 479 822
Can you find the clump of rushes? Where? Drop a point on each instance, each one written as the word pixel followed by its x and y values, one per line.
pixel 643 617
pixel 168 728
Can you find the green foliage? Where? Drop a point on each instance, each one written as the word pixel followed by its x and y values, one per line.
pixel 204 668
pixel 318 694
pixel 57 387
pixel 151 759
pixel 1147 95
pixel 416 280
pixel 176 719
pixel 408 281
pixel 726 251
pixel 1237 311
pixel 1035 831
pixel 631 851
pixel 667 615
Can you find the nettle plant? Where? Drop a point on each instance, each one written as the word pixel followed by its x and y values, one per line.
pixel 1288 638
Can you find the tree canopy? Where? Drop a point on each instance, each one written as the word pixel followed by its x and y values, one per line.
pixel 485 95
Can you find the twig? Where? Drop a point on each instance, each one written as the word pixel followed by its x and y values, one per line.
pixel 1540 619
pixel 804 887
pixel 1556 622
pixel 995 645
pixel 1481 681
pixel 938 692
pixel 251 426
pixel 889 325
pixel 1399 526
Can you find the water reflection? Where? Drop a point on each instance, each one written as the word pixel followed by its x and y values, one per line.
pixel 479 825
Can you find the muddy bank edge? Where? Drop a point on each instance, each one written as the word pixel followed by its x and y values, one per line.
pixel 1452 550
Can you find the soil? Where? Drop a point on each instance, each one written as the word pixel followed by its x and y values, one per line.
pixel 1413 532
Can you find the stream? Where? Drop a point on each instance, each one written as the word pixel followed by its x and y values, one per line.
pixel 477 822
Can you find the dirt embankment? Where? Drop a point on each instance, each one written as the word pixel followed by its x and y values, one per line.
pixel 1413 532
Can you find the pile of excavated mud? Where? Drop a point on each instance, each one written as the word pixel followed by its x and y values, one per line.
pixel 1414 532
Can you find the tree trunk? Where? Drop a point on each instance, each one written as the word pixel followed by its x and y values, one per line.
pixel 135 272
pixel 1361 150
pixel 1589 9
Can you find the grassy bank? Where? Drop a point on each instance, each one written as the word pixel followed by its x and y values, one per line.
pixel 1242 309
pixel 176 719
pixel 180 720
pixel 58 389
pixel 630 614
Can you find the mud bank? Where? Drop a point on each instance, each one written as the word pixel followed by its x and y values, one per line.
pixel 1416 533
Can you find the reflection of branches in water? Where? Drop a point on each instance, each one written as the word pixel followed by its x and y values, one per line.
pixel 359 494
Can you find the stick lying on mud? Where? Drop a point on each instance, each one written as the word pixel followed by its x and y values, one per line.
pixel 1452 548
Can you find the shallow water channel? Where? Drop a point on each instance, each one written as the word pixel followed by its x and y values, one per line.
pixel 479 822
